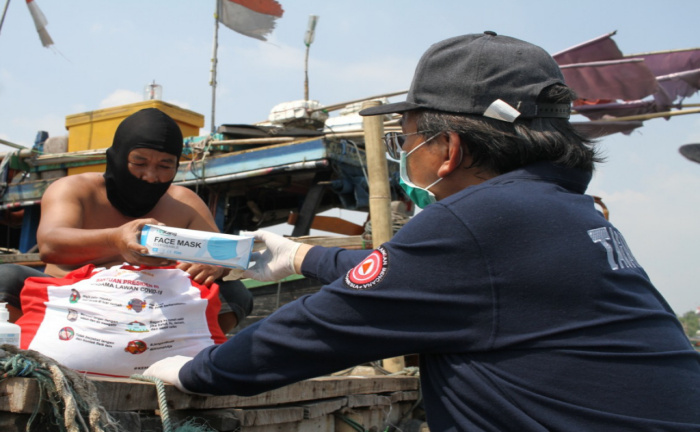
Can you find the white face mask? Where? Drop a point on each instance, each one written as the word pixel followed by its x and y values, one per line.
pixel 420 196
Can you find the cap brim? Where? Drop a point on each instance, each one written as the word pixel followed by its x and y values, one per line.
pixel 393 108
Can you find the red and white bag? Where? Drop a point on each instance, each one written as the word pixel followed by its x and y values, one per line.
pixel 118 321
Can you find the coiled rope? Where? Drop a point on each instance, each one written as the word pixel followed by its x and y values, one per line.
pixel 74 406
pixel 71 396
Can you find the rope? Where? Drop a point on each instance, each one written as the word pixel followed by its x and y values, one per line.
pixel 188 426
pixel 398 220
pixel 162 400
pixel 72 397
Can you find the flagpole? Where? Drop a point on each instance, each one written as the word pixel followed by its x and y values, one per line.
pixel 4 12
pixel 214 61
pixel 308 39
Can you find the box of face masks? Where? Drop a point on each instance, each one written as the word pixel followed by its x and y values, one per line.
pixel 197 246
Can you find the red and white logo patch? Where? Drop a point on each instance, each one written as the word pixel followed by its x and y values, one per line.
pixel 369 272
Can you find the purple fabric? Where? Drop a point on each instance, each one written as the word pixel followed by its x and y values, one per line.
pixel 597 70
pixel 617 109
pixel 681 84
pixel 617 79
pixel 598 49
pixel 669 62
pixel 598 129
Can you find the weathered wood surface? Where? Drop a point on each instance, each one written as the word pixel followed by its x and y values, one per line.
pixel 307 414
pixel 21 395
pixel 30 259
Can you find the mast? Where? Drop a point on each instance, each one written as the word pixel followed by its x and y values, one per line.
pixel 308 39
pixel 214 61
pixel 4 12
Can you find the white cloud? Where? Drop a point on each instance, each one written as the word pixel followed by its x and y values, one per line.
pixel 659 221
pixel 184 105
pixel 120 97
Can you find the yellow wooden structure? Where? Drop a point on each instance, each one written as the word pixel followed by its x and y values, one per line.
pixel 93 130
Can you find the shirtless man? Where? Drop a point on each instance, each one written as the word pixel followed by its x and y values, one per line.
pixel 94 218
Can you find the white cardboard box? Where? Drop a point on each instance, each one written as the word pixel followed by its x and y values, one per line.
pixel 197 246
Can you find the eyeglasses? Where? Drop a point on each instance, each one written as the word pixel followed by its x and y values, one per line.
pixel 394 142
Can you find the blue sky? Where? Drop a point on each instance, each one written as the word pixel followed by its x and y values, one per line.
pixel 106 52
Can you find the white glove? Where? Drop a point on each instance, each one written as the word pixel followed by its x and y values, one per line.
pixel 168 370
pixel 276 262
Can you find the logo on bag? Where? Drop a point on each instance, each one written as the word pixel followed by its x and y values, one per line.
pixel 136 327
pixel 66 333
pixel 136 305
pixel 369 272
pixel 74 296
pixel 72 315
pixel 136 347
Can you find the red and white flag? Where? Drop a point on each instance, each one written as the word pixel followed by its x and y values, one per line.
pixel 40 23
pixel 254 18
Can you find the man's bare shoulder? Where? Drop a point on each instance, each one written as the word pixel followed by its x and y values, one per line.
pixel 183 194
pixel 84 186
pixel 182 207
pixel 88 179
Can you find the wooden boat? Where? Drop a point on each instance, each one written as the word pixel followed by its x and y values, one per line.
pixel 252 176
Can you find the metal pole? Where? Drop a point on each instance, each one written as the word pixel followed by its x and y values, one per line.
pixel 306 74
pixel 308 40
pixel 214 61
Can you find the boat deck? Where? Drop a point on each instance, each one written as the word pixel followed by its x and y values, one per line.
pixel 328 404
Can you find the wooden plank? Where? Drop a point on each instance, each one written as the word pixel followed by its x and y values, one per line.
pixel 347 242
pixel 128 420
pixel 231 418
pixel 355 401
pixel 269 416
pixel 13 422
pixel 402 396
pixel 318 409
pixel 330 224
pixel 319 424
pixel 21 394
pixel 31 259
pixel 313 389
pixel 220 420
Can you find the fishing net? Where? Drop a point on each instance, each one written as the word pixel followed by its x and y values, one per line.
pixel 72 397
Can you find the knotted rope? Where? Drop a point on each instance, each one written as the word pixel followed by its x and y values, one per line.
pixel 72 397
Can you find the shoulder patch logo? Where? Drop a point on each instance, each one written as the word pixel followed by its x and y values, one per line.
pixel 369 272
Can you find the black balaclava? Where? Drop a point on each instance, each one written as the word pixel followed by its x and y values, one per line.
pixel 149 128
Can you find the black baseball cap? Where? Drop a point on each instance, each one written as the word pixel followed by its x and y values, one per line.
pixel 469 74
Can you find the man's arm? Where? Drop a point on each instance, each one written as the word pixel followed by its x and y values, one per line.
pixel 62 238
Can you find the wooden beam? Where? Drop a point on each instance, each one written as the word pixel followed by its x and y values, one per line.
pixel 30 259
pixel 379 196
pixel 21 395
pixel 330 224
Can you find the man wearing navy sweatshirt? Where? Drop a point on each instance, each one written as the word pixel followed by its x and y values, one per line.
pixel 526 306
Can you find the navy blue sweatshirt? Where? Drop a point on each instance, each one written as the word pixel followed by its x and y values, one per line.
pixel 526 306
